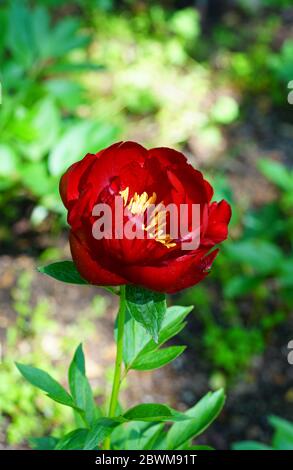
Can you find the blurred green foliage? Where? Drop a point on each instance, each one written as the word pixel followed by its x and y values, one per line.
pixel 37 335
pixel 18 401
pixel 282 438
pixel 256 269
pixel 78 75
pixel 42 131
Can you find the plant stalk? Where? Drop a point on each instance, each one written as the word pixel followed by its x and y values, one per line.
pixel 118 362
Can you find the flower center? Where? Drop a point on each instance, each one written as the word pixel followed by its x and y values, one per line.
pixel 138 204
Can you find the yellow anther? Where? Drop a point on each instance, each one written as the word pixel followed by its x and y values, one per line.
pixel 138 204
pixel 124 194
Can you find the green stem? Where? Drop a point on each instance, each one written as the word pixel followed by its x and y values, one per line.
pixel 118 362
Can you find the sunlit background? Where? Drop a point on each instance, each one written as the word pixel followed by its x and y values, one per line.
pixel 211 78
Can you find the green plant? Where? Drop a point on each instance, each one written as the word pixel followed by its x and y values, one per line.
pixel 282 438
pixel 35 330
pixel 41 129
pixel 21 412
pixel 143 326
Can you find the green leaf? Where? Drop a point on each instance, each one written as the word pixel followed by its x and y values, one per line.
pixel 156 359
pixel 161 441
pixel 43 443
pixel 20 39
pixel 277 173
pixel 153 435
pixel 79 139
pixel 8 162
pixel 69 149
pixel 64 37
pixel 172 324
pixel 147 308
pixel 80 388
pixel 36 179
pixel 68 93
pixel 264 257
pixel 152 412
pixel 250 445
pixel 3 28
pixel 283 436
pixel 134 339
pixel 101 429
pixel 175 315
pixel 65 67
pixel 45 124
pixel 137 341
pixel 64 271
pixel 285 275
pixel 200 448
pixel 148 412
pixel 136 435
pixel 74 440
pixel 41 31
pixel 239 285
pixel 45 382
pixel 202 415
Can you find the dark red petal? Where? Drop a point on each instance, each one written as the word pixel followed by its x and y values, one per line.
pixel 167 156
pixel 89 268
pixel 187 176
pixel 174 275
pixel 192 181
pixel 81 211
pixel 69 183
pixel 136 178
pixel 220 212
pixel 112 161
pixel 218 220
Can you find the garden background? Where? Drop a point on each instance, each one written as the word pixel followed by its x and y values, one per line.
pixel 211 78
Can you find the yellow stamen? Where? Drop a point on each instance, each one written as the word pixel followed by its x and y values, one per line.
pixel 124 194
pixel 138 205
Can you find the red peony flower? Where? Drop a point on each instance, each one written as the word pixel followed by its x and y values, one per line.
pixel 141 178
